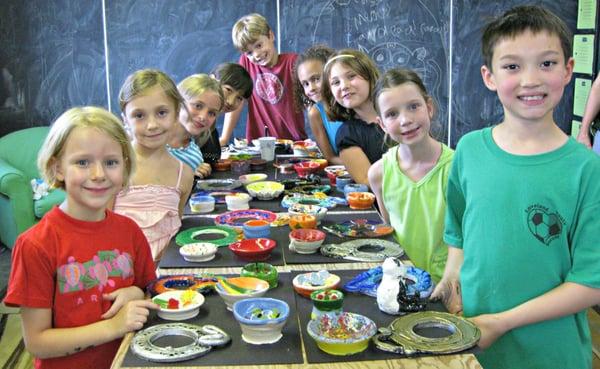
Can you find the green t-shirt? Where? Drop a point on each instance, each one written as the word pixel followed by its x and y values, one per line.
pixel 526 225
pixel 417 209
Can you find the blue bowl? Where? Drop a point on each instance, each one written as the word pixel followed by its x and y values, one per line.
pixel 355 187
pixel 261 311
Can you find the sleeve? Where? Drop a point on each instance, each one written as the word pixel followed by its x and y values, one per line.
pixel 455 206
pixel 211 150
pixel 346 137
pixel 144 267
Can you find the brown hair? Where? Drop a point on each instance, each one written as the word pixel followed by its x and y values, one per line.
pixel 317 52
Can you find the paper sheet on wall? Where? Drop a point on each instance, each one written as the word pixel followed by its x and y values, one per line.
pixel 583 53
pixel 582 90
pixel 586 14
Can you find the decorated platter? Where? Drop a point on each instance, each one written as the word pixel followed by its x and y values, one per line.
pixel 218 184
pixel 237 218
pixel 360 228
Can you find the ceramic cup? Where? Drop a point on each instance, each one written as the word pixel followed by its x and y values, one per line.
pixel 267 148
pixel 303 221
pixel 239 201
pixel 257 229
pixel 355 187
pixel 342 181
pixel 202 204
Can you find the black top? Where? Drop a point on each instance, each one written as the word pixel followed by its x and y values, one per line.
pixel 211 150
pixel 357 132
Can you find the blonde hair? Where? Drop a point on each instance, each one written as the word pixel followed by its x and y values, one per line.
pixel 84 117
pixel 248 29
pixel 139 82
pixel 362 65
pixel 197 84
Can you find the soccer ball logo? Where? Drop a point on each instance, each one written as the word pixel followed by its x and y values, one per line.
pixel 545 227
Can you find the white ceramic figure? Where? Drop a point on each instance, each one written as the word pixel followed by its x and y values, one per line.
pixel 387 292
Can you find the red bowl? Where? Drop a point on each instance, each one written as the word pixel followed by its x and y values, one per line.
pixel 254 249
pixel 307 235
pixel 305 168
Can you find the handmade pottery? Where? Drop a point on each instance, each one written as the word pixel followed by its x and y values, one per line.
pixel 222 165
pixel 198 252
pixel 307 283
pixel 178 305
pixel 218 184
pixel 261 319
pixel 264 271
pixel 303 169
pixel 265 190
pixel 355 187
pixel 303 221
pixel 326 302
pixel 306 241
pixel 393 296
pixel 299 209
pixel 238 201
pixel 342 181
pixel 201 283
pixel 342 334
pixel 360 200
pixel 237 218
pixel 258 164
pixel 240 166
pixel 192 235
pixel 254 249
pixel 202 204
pixel 333 171
pixel 322 163
pixel 257 228
pixel 239 288
pixel 246 179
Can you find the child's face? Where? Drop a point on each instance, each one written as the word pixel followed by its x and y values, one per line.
pixel 348 88
pixel 92 167
pixel 150 118
pixel 263 52
pixel 233 98
pixel 529 74
pixel 309 75
pixel 405 114
pixel 203 111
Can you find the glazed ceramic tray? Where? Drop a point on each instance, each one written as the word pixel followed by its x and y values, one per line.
pixel 218 184
pixel 360 228
pixel 237 218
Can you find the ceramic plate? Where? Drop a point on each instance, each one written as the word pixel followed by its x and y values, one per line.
pixel 360 228
pixel 237 218
pixel 178 305
pixel 218 184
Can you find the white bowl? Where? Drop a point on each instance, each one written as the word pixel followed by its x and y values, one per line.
pixel 265 190
pixel 198 251
pixel 261 319
pixel 318 211
pixel 239 201
pixel 246 179
pixel 183 312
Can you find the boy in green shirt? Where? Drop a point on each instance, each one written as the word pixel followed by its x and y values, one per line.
pixel 523 205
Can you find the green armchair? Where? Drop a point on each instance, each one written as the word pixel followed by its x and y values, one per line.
pixel 18 166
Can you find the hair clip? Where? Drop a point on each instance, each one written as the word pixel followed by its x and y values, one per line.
pixel 338 57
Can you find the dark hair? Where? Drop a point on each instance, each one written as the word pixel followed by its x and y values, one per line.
pixel 520 19
pixel 235 76
pixel 397 77
pixel 317 52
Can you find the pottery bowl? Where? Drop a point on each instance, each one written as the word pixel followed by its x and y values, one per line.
pixel 202 203
pixel 246 179
pixel 318 211
pixel 239 288
pixel 258 164
pixel 179 305
pixel 264 271
pixel 261 319
pixel 355 187
pixel 307 283
pixel 327 300
pixel 306 221
pixel 333 171
pixel 306 241
pixel 198 251
pixel 322 163
pixel 254 249
pixel 303 169
pixel 257 228
pixel 265 190
pixel 360 200
pixel 347 334
pixel 237 201
pixel 222 165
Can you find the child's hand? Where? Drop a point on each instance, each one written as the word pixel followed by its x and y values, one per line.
pixel 584 138
pixel 203 170
pixel 132 316
pixel 120 297
pixel 491 328
pixel 448 290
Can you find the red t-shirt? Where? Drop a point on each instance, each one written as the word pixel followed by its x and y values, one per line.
pixel 65 264
pixel 272 101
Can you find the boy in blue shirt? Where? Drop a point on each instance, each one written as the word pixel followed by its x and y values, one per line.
pixel 523 205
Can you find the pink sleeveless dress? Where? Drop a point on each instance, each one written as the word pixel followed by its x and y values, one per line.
pixel 155 208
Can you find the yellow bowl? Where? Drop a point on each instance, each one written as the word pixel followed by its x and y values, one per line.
pixel 349 338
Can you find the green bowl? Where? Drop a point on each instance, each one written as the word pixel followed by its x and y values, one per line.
pixel 264 271
pixel 327 300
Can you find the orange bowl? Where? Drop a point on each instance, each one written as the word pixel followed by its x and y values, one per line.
pixel 360 200
pixel 222 165
pixel 322 163
pixel 303 221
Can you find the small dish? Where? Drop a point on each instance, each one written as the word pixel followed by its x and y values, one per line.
pixel 307 283
pixel 222 165
pixel 360 200
pixel 178 305
pixel 258 164
pixel 264 271
pixel 355 187
pixel 202 203
pixel 307 221
pixel 261 319
pixel 326 302
pixel 303 169
pixel 198 252
pixel 246 179
pixel 306 241
pixel 254 249
pixel 239 288
pixel 318 211
pixel 322 163
pixel 265 190
pixel 218 184
pixel 342 334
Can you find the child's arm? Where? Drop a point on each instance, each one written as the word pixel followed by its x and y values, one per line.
pixel 43 341
pixel 591 110
pixel 448 290
pixel 186 185
pixel 356 163
pixel 231 120
pixel 120 297
pixel 567 299
pixel 375 175
pixel 203 170
pixel 316 126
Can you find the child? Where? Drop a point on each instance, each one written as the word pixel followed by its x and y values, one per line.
pixel 523 203
pixel 203 102
pixel 308 76
pixel 417 168
pixel 79 274
pixel 349 79
pixel 158 191
pixel 272 103
pixel 237 88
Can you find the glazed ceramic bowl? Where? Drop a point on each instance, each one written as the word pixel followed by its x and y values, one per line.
pixel 326 302
pixel 347 334
pixel 202 204
pixel 265 190
pixel 303 169
pixel 299 209
pixel 239 288
pixel 257 228
pixel 333 171
pixel 307 283
pixel 355 187
pixel 237 201
pixel 322 163
pixel 198 251
pixel 222 165
pixel 246 179
pixel 254 249
pixel 178 305
pixel 306 241
pixel 306 221
pixel 261 319
pixel 258 164
pixel 360 200
pixel 264 271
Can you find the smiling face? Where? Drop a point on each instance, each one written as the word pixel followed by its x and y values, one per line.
pixel 529 74
pixel 150 118
pixel 203 112
pixel 348 88
pixel 233 98
pixel 92 168
pixel 262 52
pixel 310 75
